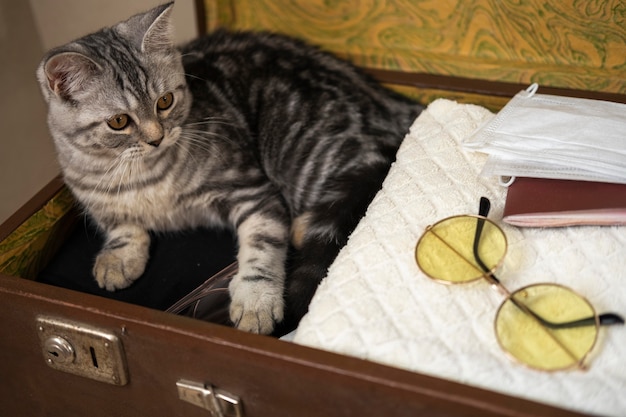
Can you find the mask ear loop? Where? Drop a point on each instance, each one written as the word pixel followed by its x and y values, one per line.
pixel 532 89
pixel 505 181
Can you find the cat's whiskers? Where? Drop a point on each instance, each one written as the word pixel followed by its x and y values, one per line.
pixel 198 141
pixel 213 120
pixel 203 135
pixel 192 76
pixel 125 175
pixel 137 169
pixel 120 172
pixel 128 174
pixel 185 149
pixel 186 74
pixel 208 122
pixel 104 184
pixel 116 175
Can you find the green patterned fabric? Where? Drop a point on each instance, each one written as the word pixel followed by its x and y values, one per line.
pixel 575 44
pixel 25 250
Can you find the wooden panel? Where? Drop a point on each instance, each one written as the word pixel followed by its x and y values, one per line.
pixel 571 44
pixel 30 237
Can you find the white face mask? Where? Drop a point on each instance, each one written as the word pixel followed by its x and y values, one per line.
pixel 545 136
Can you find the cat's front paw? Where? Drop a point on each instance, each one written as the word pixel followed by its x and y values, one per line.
pixel 114 272
pixel 256 306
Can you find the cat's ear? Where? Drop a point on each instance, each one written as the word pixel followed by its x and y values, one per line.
pixel 160 34
pixel 66 73
pixel 151 31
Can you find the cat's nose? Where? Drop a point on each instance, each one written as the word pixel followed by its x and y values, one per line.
pixel 155 142
pixel 153 132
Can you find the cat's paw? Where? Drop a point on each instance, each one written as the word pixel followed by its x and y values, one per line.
pixel 113 271
pixel 256 307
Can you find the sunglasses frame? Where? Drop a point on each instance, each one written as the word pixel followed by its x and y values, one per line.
pixel 481 274
pixel 487 273
pixel 577 363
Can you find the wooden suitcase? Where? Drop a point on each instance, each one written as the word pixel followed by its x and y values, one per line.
pixel 65 353
pixel 144 362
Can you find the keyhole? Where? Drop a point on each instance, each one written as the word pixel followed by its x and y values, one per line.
pixel 94 360
pixel 53 353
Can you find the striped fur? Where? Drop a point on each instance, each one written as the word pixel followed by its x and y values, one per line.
pixel 263 132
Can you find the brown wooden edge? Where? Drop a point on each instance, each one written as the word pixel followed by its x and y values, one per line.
pixel 201 23
pixel 483 87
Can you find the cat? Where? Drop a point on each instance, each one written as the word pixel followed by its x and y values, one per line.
pixel 259 132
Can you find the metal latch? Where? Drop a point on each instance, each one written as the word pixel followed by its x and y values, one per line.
pixel 82 350
pixel 218 402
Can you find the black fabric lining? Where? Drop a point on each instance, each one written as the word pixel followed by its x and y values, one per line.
pixel 179 262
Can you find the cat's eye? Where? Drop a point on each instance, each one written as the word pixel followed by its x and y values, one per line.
pixel 119 121
pixel 165 102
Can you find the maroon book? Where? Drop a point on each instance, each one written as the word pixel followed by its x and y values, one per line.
pixel 539 202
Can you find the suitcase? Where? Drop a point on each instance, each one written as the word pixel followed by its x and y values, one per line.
pixel 67 353
pixel 130 360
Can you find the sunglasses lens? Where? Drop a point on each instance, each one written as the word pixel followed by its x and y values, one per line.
pixel 445 250
pixel 560 344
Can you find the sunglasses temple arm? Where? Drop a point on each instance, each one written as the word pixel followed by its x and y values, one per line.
pixel 483 211
pixel 604 319
pixel 484 207
pixel 608 319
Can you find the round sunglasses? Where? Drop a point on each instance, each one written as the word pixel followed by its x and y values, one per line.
pixel 545 326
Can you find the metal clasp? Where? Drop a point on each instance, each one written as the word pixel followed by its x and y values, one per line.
pixel 83 350
pixel 218 402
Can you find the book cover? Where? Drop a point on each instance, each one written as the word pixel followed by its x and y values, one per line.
pixel 539 202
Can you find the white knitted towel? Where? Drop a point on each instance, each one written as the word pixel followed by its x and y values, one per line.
pixel 376 304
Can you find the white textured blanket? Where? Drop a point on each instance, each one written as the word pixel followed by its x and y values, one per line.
pixel 376 304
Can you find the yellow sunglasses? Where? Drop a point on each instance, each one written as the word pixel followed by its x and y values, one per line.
pixel 545 326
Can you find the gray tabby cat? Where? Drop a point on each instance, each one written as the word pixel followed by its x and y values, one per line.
pixel 285 144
